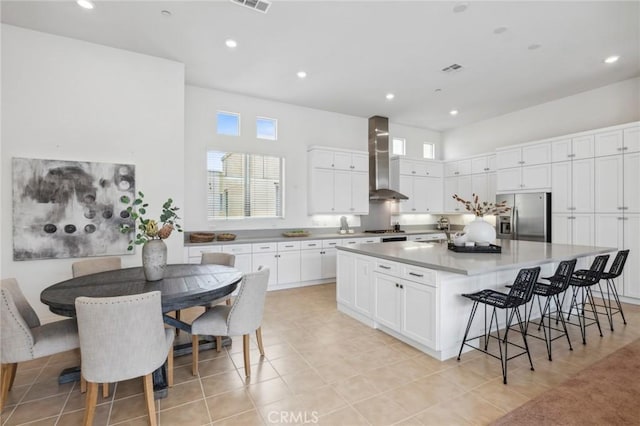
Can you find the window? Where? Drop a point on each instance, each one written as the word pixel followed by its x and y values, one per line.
pixel 228 123
pixel 244 185
pixel 429 150
pixel 267 128
pixel 399 146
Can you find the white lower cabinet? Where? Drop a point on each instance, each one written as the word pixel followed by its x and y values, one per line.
pixel 317 262
pixel 622 232
pixel 354 287
pixel 576 229
pixel 406 307
pixel 283 260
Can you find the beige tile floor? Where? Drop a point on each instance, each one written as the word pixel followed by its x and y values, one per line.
pixel 321 367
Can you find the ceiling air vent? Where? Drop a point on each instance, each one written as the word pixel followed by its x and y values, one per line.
pixel 452 68
pixel 259 5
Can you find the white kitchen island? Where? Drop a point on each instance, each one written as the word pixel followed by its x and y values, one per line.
pixel 412 290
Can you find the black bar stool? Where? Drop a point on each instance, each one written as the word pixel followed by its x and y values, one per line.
pixel 581 282
pixel 614 272
pixel 520 294
pixel 551 291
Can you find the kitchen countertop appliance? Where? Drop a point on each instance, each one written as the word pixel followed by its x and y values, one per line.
pixel 443 224
pixel 529 218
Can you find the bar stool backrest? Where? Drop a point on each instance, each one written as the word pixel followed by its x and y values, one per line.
pixel 522 288
pixel 593 275
pixel 618 263
pixel 562 277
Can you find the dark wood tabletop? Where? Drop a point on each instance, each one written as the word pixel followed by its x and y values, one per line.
pixel 183 286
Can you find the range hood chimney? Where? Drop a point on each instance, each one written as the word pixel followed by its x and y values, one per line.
pixel 379 161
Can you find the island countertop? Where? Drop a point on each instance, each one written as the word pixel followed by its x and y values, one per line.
pixel 515 254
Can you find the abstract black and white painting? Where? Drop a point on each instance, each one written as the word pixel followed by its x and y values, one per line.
pixel 65 209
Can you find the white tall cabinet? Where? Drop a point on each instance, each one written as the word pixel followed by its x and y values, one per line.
pixel 421 181
pixel 525 168
pixel 338 181
pixel 617 200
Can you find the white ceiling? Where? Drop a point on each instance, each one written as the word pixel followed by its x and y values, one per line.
pixel 356 52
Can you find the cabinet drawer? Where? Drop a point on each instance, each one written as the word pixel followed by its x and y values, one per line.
pixel 420 275
pixel 237 248
pixel 264 247
pixel 369 240
pixel 197 251
pixel 330 243
pixel 289 245
pixel 385 267
pixel 311 244
pixel 348 242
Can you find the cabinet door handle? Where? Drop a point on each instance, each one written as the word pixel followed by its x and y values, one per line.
pixel 397 285
pixel 401 286
pixel 456 173
pixel 413 172
pixel 385 267
pixel 312 245
pixel 333 165
pixel 427 173
pixel 619 149
pixel 620 208
pixel 416 275
pixel 625 208
pixel 264 248
pixel 289 246
pixel 621 218
pixel 351 242
pixel 624 148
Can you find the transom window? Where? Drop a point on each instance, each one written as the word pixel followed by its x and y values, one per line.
pixel 267 128
pixel 228 123
pixel 244 185
pixel 399 146
pixel 429 150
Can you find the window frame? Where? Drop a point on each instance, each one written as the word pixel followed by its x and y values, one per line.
pixel 393 146
pixel 275 128
pixel 228 113
pixel 433 150
pixel 246 182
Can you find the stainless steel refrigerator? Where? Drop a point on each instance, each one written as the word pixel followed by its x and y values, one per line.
pixel 529 218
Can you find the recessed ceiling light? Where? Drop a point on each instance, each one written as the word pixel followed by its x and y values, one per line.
pixel 500 30
pixel 453 112
pixel 165 12
pixel 86 4
pixel 534 46
pixel 460 7
pixel 611 59
pixel 231 43
pixel 301 74
pixel 438 90
pixel 390 96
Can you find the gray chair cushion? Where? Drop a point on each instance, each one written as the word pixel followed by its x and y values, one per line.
pixel 244 316
pixel 121 337
pixel 22 342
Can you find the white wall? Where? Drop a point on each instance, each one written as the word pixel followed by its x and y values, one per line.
pixel 298 128
pixel 610 105
pixel 71 100
pixel 416 138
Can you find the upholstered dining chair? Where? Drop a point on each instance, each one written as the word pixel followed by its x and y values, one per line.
pixel 93 266
pixel 23 338
pixel 225 259
pixel 123 338
pixel 239 319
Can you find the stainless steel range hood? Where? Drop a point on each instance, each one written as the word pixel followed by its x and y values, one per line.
pixel 379 161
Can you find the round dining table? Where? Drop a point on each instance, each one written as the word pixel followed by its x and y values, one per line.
pixel 183 286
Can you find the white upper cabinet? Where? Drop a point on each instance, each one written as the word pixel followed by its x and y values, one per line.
pixel 609 143
pixel 631 140
pixel 457 168
pixel 419 167
pixel 338 181
pixel 524 156
pixel 484 164
pixel 572 149
pixel 339 160
pixel 609 195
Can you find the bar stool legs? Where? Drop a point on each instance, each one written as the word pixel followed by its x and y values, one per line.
pixel 580 310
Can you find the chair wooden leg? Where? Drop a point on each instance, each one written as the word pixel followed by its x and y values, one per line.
pixel 92 400
pixel 194 354
pixel 148 396
pixel 170 367
pixel 105 390
pixel 259 339
pixel 177 318
pixel 247 357
pixel 83 384
pixel 14 369
pixel 228 301
pixel 218 343
pixel 5 382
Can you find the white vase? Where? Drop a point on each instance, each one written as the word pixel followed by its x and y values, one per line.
pixel 480 231
pixel 154 259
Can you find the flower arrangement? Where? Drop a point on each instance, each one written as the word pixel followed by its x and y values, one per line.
pixel 481 208
pixel 149 229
